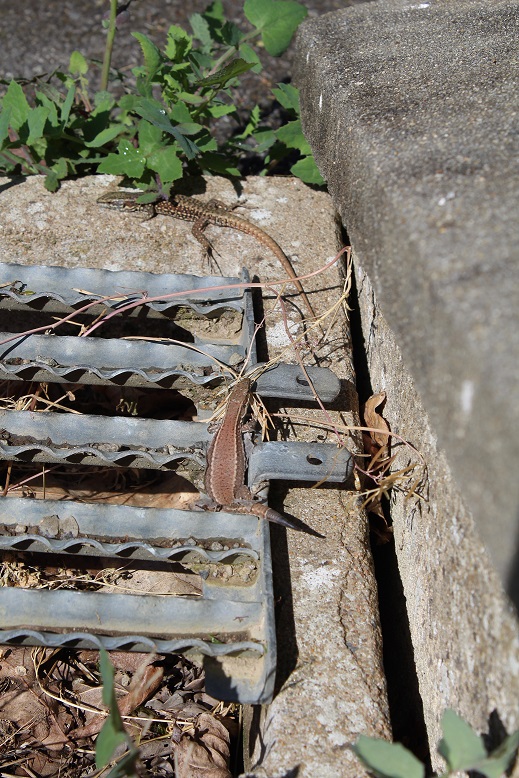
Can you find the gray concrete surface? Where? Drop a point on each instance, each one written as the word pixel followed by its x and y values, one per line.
pixel 411 111
pixel 464 632
pixel 330 679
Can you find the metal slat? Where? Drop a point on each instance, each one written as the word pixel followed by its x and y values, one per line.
pixel 46 287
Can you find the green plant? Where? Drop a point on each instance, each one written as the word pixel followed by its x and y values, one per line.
pixel 113 733
pixel 165 124
pixel 460 746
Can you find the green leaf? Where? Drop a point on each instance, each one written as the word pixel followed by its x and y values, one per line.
pixel 78 64
pixel 460 746
pixel 247 53
pixel 388 760
pixel 112 734
pixel 60 168
pixel 307 171
pixel 15 101
pixel 154 112
pixel 147 197
pixel 206 142
pixel 128 161
pixel 200 27
pixel 500 759
pixel 103 101
pixel 178 44
pixel 107 676
pixel 107 741
pixel 180 113
pixel 231 34
pixel 5 120
pixel 189 128
pixel 126 766
pixel 105 136
pixel 264 139
pixel 166 163
pixel 67 105
pixel 150 137
pixel 51 182
pixel 215 11
pixel 221 109
pixel 215 18
pixel 53 113
pixel 277 21
pixel 152 56
pixel 291 134
pixel 226 74
pixel 288 96
pixel 251 125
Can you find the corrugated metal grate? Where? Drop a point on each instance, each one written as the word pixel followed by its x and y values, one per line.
pixel 231 625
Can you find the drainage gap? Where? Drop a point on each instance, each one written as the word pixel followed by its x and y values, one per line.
pixel 405 703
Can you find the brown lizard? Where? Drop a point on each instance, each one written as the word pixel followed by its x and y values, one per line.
pixel 202 214
pixel 225 472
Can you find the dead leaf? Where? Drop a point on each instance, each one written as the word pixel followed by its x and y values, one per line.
pixel 376 446
pixel 376 421
pixel 205 754
pixel 27 707
pixel 144 683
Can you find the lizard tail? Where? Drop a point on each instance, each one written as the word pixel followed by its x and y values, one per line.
pixel 264 512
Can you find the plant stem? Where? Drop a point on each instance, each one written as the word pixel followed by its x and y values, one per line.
pixel 107 59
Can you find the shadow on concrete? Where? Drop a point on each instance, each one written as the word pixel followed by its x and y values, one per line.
pixel 287 651
pixel 512 584
pixel 405 703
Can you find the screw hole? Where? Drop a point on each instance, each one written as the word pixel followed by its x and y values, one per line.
pixel 312 460
pixel 302 380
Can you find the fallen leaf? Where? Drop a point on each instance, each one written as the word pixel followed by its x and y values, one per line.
pixel 376 421
pixel 144 683
pixel 206 753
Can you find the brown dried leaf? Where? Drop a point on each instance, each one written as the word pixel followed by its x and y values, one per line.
pixel 205 754
pixel 40 717
pixel 144 683
pixel 375 420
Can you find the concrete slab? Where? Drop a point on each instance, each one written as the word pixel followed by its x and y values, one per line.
pixel 464 632
pixel 331 685
pixel 411 111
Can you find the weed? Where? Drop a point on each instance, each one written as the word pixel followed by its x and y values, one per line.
pixel 460 746
pixel 165 124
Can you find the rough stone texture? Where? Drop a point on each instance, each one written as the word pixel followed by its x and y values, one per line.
pixel 335 690
pixel 332 686
pixel 464 631
pixel 411 111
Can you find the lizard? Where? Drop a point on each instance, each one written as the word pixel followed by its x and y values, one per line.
pixel 225 472
pixel 202 214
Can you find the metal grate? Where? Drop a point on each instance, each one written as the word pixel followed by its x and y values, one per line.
pixel 230 627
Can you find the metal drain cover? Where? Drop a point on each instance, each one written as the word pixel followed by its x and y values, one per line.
pixel 229 625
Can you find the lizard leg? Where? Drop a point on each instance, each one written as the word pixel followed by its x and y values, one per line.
pixel 198 232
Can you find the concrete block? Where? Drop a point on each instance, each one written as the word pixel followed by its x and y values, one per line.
pixel 411 111
pixel 464 632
